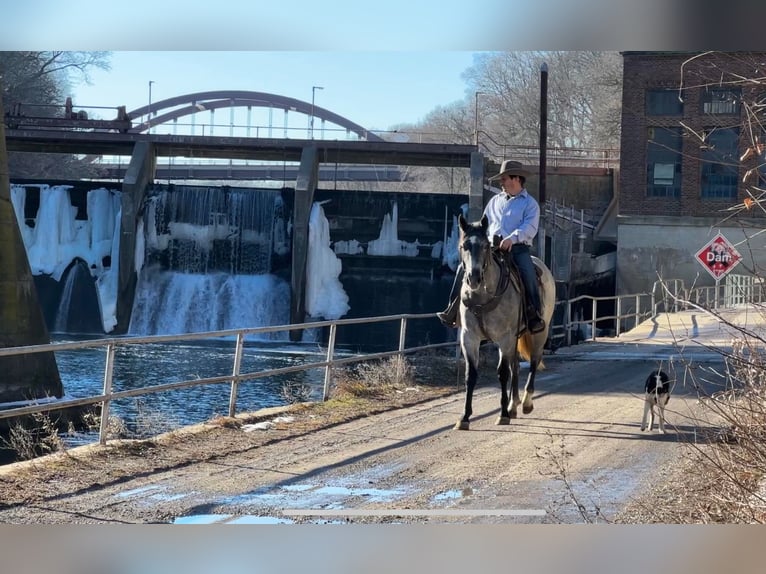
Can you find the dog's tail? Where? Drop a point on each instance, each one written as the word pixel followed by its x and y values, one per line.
pixel 525 347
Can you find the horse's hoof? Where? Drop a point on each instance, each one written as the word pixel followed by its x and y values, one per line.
pixel 527 409
pixel 503 421
pixel 514 415
pixel 462 425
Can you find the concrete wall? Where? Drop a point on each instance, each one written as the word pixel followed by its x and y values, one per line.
pixel 590 189
pixel 22 377
pixel 138 176
pixel 664 245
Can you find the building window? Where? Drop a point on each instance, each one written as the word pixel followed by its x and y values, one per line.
pixel 719 101
pixel 719 164
pixel 663 103
pixel 663 162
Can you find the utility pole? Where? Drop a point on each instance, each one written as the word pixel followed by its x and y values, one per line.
pixel 476 119
pixel 543 157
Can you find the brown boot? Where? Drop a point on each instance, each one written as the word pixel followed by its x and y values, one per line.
pixel 535 323
pixel 449 316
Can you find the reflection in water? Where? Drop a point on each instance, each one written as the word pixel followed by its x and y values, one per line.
pixel 138 366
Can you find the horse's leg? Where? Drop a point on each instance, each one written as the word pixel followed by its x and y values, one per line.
pixel 503 370
pixel 529 390
pixel 534 361
pixel 470 346
pixel 515 401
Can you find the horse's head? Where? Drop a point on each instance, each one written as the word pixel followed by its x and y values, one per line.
pixel 475 252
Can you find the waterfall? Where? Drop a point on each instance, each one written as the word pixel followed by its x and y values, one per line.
pixel 62 315
pixel 209 261
pixel 78 310
pixel 170 302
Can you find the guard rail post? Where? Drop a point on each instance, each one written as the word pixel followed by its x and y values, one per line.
pixel 328 368
pixel 235 373
pixel 108 370
pixel 619 316
pixel 594 311
pixel 402 335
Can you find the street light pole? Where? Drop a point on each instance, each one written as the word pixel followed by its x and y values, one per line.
pixel 476 119
pixel 543 155
pixel 311 121
pixel 149 116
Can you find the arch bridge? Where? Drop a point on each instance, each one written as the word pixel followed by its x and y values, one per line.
pixel 169 111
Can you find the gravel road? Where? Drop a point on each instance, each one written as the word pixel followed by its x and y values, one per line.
pixel 581 445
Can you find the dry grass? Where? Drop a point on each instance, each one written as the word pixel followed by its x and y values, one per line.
pixel 296 392
pixel 34 436
pixel 721 477
pixel 375 379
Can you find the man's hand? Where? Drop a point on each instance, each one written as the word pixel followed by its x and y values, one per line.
pixel 505 245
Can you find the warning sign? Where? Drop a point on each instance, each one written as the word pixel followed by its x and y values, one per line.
pixel 718 256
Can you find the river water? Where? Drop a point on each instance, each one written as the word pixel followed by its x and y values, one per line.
pixel 135 366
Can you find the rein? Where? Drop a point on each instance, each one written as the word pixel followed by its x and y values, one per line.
pixel 479 309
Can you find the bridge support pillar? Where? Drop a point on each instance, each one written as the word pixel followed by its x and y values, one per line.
pixel 139 175
pixel 476 188
pixel 305 184
pixel 22 377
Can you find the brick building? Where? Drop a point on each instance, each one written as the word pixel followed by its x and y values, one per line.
pixel 691 124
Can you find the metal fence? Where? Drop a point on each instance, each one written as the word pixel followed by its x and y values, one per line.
pixel 626 312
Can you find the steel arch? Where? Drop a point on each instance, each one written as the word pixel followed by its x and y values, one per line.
pixel 204 101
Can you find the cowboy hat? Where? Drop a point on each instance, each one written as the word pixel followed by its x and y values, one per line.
pixel 510 167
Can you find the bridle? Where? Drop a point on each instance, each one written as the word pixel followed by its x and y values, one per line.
pixel 504 279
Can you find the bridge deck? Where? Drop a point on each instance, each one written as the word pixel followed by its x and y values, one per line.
pixel 329 151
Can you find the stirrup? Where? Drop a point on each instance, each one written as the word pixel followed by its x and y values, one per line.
pixel 535 322
pixel 448 319
pixel 536 325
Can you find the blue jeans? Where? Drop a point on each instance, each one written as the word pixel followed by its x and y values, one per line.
pixel 523 260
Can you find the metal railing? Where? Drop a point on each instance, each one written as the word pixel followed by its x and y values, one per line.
pixel 234 379
pixel 556 156
pixel 629 310
pixel 666 296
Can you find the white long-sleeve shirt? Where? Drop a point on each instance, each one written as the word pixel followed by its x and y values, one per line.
pixel 515 218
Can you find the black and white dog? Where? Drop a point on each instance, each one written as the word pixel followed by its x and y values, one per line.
pixel 657 395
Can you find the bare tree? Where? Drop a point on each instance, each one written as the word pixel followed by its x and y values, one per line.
pixel 584 95
pixel 44 77
pixel 41 79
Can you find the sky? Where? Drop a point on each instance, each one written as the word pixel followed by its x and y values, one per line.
pixel 375 89
pixel 391 25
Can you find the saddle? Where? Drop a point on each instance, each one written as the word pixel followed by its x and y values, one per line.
pixel 508 268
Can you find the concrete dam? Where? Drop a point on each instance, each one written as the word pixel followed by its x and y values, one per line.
pixel 212 258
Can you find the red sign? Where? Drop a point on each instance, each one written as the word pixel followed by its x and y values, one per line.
pixel 718 256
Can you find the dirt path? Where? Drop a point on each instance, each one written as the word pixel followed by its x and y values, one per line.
pixel 402 465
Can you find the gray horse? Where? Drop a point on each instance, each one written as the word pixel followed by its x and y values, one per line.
pixel 491 309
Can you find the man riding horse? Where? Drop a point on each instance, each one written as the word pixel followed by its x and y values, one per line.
pixel 514 217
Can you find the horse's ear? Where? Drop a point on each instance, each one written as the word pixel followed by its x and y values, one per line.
pixel 462 222
pixel 484 222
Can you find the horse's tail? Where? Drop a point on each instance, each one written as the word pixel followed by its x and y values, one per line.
pixel 525 348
